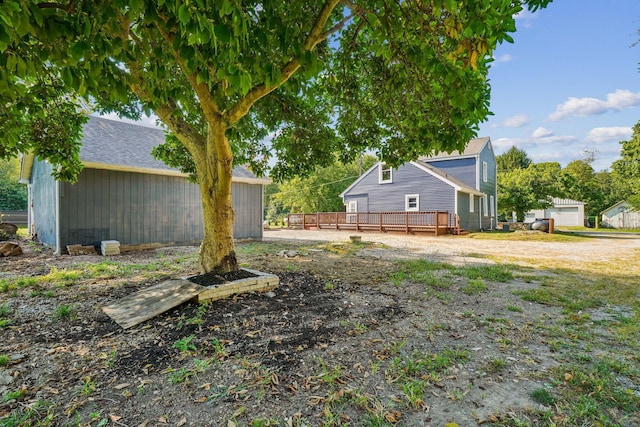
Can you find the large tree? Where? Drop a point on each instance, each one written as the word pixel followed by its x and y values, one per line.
pixel 626 171
pixel 402 78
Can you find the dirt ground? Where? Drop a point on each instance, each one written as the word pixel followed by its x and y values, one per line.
pixel 337 343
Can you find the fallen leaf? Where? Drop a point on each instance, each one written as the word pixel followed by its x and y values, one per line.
pixel 114 418
pixel 162 419
pixel 568 376
pixel 182 422
pixel 201 399
pixel 206 386
pixel 121 386
pixel 392 416
pixel 253 333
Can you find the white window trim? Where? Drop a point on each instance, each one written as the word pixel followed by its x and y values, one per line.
pixel 381 168
pixel 472 206
pixel 406 202
pixel 485 169
pixel 352 206
pixel 485 206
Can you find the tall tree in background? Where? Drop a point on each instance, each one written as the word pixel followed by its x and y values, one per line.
pixel 319 191
pixel 13 195
pixel 626 171
pixel 399 78
pixel 512 159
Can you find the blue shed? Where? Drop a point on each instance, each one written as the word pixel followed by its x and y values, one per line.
pixel 125 194
pixel 464 183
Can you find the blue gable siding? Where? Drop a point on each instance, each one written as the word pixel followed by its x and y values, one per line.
pixel 463 169
pixel 43 212
pixel 407 179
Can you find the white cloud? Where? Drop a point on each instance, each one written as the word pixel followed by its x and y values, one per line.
pixel 584 107
pixel 556 139
pixel 609 134
pixel 503 58
pixel 516 121
pixel 542 133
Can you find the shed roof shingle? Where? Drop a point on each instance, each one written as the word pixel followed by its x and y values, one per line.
pixel 128 146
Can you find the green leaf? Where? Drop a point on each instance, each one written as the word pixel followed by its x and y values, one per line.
pixel 183 14
pixel 223 33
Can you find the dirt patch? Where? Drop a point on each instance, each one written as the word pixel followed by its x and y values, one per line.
pixel 341 341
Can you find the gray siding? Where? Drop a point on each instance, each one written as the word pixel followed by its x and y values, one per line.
pixel 489 187
pixel 463 169
pixel 136 208
pixel 43 194
pixel 407 179
pixel 468 220
pixel 247 206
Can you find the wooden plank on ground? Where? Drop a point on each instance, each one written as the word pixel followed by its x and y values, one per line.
pixel 147 303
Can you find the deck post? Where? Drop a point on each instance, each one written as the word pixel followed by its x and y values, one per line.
pixel 406 221
pixel 380 221
pixel 336 220
pixel 304 221
pixel 357 222
pixel 318 221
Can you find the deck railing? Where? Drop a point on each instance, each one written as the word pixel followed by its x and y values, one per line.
pixel 435 222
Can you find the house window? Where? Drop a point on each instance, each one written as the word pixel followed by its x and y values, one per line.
pixel 471 203
pixel 485 207
pixel 411 202
pixel 484 171
pixel 385 174
pixel 352 206
pixel 492 206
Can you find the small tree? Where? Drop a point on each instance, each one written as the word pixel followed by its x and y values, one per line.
pixel 402 78
pixel 626 171
pixel 522 190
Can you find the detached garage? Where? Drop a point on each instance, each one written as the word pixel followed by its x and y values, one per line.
pixel 125 194
pixel 565 212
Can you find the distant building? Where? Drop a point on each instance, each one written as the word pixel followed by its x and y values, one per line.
pixel 621 215
pixel 565 212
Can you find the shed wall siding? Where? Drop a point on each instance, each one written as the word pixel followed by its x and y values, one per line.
pixel 43 197
pixel 136 208
pixel 407 179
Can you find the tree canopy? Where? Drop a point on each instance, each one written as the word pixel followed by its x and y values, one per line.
pixel 398 78
pixel 626 171
pixel 319 191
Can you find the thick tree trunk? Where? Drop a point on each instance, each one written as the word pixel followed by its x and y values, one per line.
pixel 214 170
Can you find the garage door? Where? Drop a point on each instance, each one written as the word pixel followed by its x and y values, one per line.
pixel 565 216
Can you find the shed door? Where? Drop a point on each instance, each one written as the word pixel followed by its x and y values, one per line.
pixel 352 206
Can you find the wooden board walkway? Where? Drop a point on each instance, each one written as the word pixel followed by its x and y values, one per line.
pixel 147 303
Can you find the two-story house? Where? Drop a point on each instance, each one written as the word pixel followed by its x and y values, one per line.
pixel 461 183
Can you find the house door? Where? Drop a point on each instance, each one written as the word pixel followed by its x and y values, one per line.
pixel 352 208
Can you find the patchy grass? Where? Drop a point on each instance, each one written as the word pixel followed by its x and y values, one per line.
pixel 530 236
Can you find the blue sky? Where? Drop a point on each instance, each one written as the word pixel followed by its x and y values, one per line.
pixel 570 82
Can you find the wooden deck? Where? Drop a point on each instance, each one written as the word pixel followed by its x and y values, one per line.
pixel 432 222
